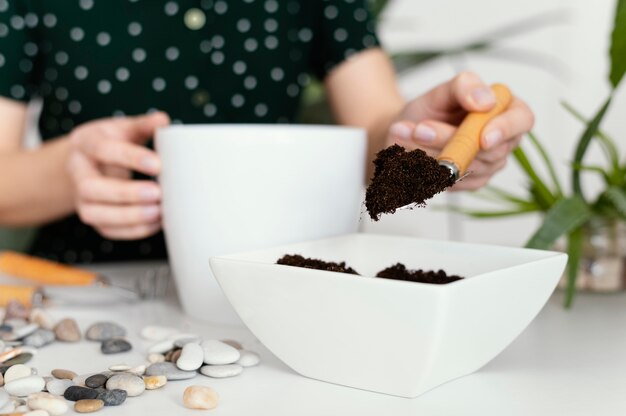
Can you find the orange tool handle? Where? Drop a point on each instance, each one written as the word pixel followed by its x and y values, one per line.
pixel 465 143
pixel 23 294
pixel 44 272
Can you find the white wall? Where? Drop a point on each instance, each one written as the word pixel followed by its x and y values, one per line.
pixel 576 49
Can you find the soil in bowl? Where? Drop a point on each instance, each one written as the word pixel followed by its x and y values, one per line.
pixel 399 272
pixel 300 261
pixel 403 178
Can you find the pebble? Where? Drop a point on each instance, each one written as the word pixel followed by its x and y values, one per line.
pixel 232 343
pixel 17 371
pixel 101 331
pixel 79 380
pixel 248 359
pixel 25 386
pixel 8 408
pixel 120 367
pixel 4 398
pixel 1 380
pixel 20 358
pixel 95 381
pixel 175 355
pixel 180 343
pixel 221 371
pixel 200 397
pixel 161 347
pixel 218 353
pixel 113 397
pixel 42 318
pixel 58 387
pixel 76 393
pixel 67 330
pixel 157 333
pixel 115 346
pixel 170 371
pixel 63 374
pixel 39 338
pixel 55 406
pixel 154 382
pixel 15 309
pixel 191 357
pixel 130 383
pixel 88 406
pixel 156 358
pixel 140 370
pixel 19 333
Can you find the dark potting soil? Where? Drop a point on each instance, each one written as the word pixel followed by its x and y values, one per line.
pixel 400 272
pixel 300 261
pixel 402 178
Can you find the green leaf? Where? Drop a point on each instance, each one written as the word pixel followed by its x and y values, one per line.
pixel 494 214
pixel 574 251
pixel 608 144
pixel 495 193
pixel 545 199
pixel 583 145
pixel 597 169
pixel 562 218
pixel 618 45
pixel 617 196
pixel 548 162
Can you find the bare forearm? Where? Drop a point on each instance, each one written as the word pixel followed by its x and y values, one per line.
pixel 34 185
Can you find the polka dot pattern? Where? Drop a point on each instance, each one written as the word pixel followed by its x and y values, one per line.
pixel 206 61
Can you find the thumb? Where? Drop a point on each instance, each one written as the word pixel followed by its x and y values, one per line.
pixel 140 129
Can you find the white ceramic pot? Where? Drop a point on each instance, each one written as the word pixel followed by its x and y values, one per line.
pixel 229 188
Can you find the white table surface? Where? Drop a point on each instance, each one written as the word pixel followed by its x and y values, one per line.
pixel 565 363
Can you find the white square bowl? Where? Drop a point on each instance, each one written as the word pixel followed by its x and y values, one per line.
pixel 388 336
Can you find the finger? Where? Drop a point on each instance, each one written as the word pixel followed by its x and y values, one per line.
pixel 494 154
pixel 139 129
pixel 100 215
pixel 134 232
pixel 118 191
pixel 465 91
pixel 119 153
pixel 480 174
pixel 516 120
pixel 116 172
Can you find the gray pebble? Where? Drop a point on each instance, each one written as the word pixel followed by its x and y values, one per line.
pixel 115 346
pixel 221 371
pixel 97 380
pixel 101 331
pixel 76 393
pixel 22 332
pixel 113 397
pixel 170 371
pixel 39 338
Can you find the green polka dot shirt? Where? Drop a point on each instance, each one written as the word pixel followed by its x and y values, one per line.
pixel 201 61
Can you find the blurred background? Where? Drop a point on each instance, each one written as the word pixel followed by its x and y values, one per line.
pixel 545 50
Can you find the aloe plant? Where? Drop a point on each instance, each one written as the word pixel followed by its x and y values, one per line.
pixel 568 215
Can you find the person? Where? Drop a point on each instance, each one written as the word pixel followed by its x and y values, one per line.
pixel 111 72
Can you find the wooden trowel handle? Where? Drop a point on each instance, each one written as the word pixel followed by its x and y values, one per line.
pixel 465 144
pixel 44 272
pixel 23 294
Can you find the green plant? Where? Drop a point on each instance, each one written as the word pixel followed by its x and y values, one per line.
pixel 567 214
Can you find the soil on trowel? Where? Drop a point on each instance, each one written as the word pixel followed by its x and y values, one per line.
pixel 400 272
pixel 403 178
pixel 300 261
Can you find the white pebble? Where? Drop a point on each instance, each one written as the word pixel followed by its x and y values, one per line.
pixel 200 397
pixel 16 372
pixel 58 387
pixel 156 358
pixel 248 359
pixel 218 353
pixel 132 384
pixel 55 406
pixel 191 357
pixel 157 333
pixel 25 386
pixel 120 367
pixel 41 318
pixel 4 398
pixel 9 407
pixel 221 371
pixel 161 347
pixel 182 335
pixel 138 371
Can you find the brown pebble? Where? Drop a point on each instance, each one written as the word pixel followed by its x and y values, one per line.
pixel 16 310
pixel 200 397
pixel 154 382
pixel 88 405
pixel 67 331
pixel 63 374
pixel 232 343
pixel 1 380
pixel 176 355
